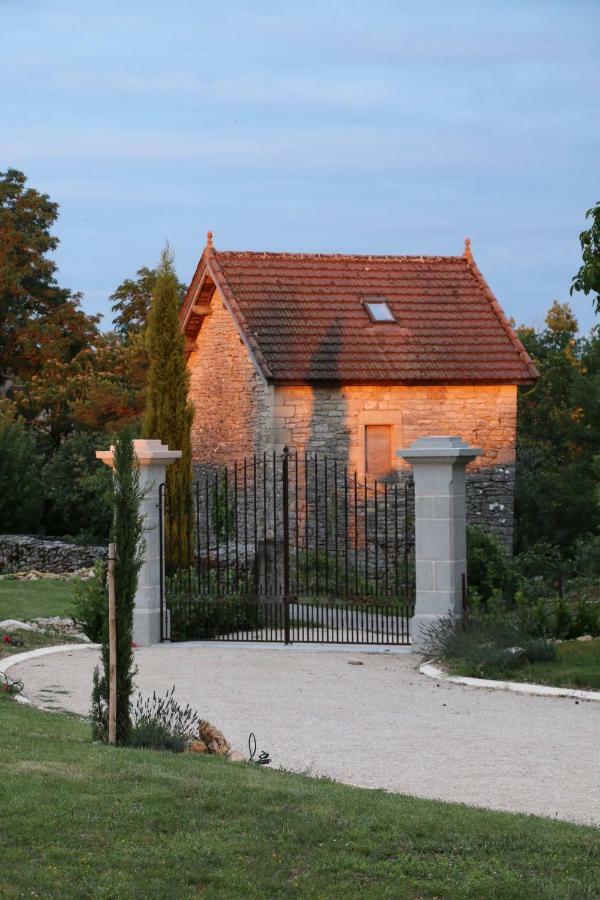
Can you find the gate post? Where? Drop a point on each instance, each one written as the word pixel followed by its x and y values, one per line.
pixel 153 458
pixel 439 465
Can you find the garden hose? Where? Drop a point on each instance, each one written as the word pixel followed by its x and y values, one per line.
pixel 7 686
pixel 263 759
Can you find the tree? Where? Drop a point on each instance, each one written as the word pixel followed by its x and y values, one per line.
pixel 38 319
pixel 109 384
pixel 558 436
pixel 127 534
pixel 100 389
pixel 169 414
pixel 77 490
pixel 20 486
pixel 132 301
pixel 587 279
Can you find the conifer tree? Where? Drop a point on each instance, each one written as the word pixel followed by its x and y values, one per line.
pixel 169 413
pixel 127 533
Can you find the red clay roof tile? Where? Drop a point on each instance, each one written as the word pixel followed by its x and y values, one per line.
pixel 304 317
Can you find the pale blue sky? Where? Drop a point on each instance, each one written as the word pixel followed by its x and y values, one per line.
pixel 381 127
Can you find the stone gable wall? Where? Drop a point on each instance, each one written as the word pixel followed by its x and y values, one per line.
pixel 231 399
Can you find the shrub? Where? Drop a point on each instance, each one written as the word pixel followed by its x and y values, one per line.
pixel 77 490
pixel 206 617
pixel 586 619
pixel 222 512
pixel 486 642
pixel 563 620
pixel 586 569
pixel 90 607
pixel 541 571
pixel 160 723
pixel 20 486
pixel 489 566
pixel 205 608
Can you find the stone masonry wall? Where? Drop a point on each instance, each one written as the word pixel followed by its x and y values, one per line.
pixel 19 553
pixel 333 421
pixel 231 399
pixel 238 414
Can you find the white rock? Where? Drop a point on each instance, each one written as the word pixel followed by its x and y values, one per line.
pixel 9 625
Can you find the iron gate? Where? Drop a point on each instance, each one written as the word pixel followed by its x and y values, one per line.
pixel 287 548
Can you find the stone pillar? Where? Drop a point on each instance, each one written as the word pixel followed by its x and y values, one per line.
pixel 153 458
pixel 439 465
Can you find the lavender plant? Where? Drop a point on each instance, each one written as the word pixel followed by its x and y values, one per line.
pixel 161 723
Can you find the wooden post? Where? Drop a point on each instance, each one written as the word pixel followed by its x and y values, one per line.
pixel 112 648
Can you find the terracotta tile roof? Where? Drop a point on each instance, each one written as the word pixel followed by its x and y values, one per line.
pixel 304 317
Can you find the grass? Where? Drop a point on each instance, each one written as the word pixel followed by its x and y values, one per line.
pixel 34 639
pixel 577 665
pixel 81 820
pixel 27 600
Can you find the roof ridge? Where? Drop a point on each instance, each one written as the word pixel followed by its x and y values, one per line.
pixel 358 256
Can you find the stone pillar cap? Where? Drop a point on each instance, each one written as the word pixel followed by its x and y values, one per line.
pixel 439 447
pixel 148 452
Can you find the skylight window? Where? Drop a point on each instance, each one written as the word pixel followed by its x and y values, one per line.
pixel 379 311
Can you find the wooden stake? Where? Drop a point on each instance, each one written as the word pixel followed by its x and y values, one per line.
pixel 112 647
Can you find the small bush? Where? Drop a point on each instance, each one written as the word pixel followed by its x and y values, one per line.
pixel 486 642
pixel 90 607
pixel 205 607
pixel 77 490
pixel 489 566
pixel 160 723
pixel 586 619
pixel 563 620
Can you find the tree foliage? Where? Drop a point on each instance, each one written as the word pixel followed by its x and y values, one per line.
pixel 127 534
pixel 587 278
pixel 169 413
pixel 20 486
pixel 78 489
pixel 38 319
pixel 132 301
pixel 558 440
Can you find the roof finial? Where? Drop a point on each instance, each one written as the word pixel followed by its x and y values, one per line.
pixel 209 236
pixel 468 255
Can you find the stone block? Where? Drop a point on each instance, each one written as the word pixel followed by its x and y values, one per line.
pixel 424 575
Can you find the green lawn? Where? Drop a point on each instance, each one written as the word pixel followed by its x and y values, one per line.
pixel 34 639
pixel 81 820
pixel 31 599
pixel 577 665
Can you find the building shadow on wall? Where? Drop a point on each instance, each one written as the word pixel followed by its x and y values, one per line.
pixel 328 431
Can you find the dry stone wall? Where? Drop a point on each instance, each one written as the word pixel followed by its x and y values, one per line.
pixel 20 553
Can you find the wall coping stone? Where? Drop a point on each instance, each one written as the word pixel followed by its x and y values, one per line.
pixel 438 447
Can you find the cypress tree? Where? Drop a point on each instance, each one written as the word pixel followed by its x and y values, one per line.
pixel 169 414
pixel 127 534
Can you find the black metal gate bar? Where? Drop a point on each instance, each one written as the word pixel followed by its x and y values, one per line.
pixel 259 552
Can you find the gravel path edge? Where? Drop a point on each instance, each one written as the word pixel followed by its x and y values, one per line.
pixel 9 661
pixel 519 687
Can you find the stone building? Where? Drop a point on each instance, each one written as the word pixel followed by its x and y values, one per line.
pixel 354 357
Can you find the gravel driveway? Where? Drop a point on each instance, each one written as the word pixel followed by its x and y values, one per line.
pixel 368 719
